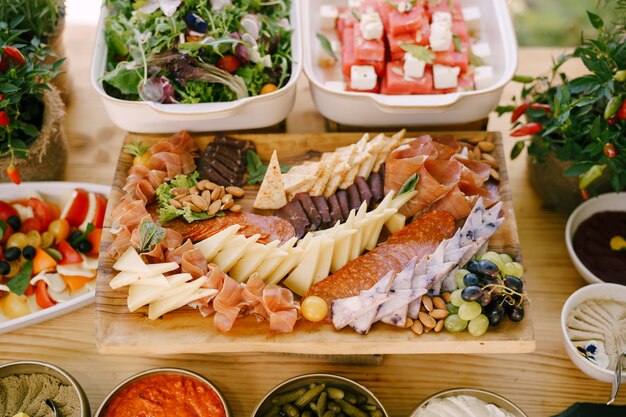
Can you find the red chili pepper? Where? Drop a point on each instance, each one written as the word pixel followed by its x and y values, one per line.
pixel 527 129
pixel 14 174
pixel 15 55
pixel 621 113
pixel 1 96
pixel 584 194
pixel 4 64
pixel 540 106
pixel 609 150
pixel 612 121
pixel 519 111
pixel 4 119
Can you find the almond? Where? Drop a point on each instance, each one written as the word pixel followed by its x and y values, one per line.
pixel 227 198
pixel 176 203
pixel 235 191
pixel 179 191
pixel 439 314
pixel 206 194
pixel 210 186
pixel 195 208
pixel 445 296
pixel 439 326
pixel 194 190
pixel 426 320
pixel 214 208
pixel 236 208
pixel 439 303
pixel 427 302
pixel 200 202
pixel 228 205
pixel 409 323
pixel 494 174
pixel 417 327
pixel 486 146
pixel 475 139
pixel 215 194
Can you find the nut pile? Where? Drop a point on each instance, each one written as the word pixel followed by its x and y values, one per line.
pixel 432 315
pixel 480 148
pixel 207 197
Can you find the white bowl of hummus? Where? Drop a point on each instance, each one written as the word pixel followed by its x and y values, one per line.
pixel 467 402
pixel 593 323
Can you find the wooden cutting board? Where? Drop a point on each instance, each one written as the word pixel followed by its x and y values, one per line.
pixel 185 331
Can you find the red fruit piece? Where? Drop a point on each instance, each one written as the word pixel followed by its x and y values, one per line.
pixel 228 63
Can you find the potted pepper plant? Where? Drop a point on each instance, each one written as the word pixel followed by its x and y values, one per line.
pixel 575 129
pixel 32 138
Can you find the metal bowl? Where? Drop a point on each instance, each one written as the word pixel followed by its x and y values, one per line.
pixel 486 396
pixel 34 367
pixel 303 380
pixel 159 371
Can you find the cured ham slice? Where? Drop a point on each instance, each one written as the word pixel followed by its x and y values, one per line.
pixel 282 310
pixel 227 304
pixel 455 203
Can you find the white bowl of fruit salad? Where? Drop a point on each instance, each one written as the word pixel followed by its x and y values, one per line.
pixel 50 244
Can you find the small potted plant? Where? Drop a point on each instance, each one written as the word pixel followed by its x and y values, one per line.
pixel 575 129
pixel 42 20
pixel 32 138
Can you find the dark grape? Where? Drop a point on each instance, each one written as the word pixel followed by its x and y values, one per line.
pixel 85 246
pixel 74 235
pixel 471 280
pixel 472 293
pixel 488 268
pixel 12 254
pixel 5 268
pixel 514 283
pixel 495 313
pixel 196 23
pixel 472 266
pixel 516 313
pixel 485 299
pixel 487 280
pixel 29 252
pixel 14 222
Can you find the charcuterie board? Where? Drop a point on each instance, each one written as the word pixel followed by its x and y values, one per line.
pixel 185 331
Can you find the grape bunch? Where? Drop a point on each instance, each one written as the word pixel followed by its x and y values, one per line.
pixel 489 289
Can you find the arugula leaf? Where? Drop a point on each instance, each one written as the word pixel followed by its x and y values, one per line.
pixel 327 45
pixel 124 79
pixel 3 228
pixel 458 43
pixel 410 184
pixel 420 52
pixel 151 235
pixel 19 283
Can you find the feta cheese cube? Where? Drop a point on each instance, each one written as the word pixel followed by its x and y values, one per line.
pixel 336 85
pixel 482 50
pixel 363 77
pixel 440 37
pixel 472 17
pixel 371 25
pixel 443 17
pixel 328 16
pixel 483 77
pixel 413 67
pixel 446 77
pixel 354 4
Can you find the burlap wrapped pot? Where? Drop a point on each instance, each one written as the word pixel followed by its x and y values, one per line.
pixel 47 155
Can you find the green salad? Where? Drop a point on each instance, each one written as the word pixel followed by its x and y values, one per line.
pixel 196 51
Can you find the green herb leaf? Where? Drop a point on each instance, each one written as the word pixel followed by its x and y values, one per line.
pixel 136 148
pixel 577 169
pixel 475 60
pixel 74 242
pixel 596 21
pixel 356 15
pixel 20 282
pixel 410 184
pixel 419 52
pixel 525 79
pixel 151 235
pixel 458 43
pixel 327 45
pixel 3 228
pixel 517 149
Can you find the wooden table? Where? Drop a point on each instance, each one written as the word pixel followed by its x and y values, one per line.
pixel 542 383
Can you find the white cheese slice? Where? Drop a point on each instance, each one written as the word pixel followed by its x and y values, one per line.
pixel 413 67
pixel 25 212
pixel 60 296
pixel 396 222
pixel 342 249
pixel 125 278
pixel 76 270
pixel 328 16
pixel 286 265
pixel 175 301
pixel 253 258
pixel 482 50
pixel 376 227
pixel 446 77
pixel 363 77
pixel 472 17
pixel 162 268
pixel 141 295
pixel 354 4
pixel 440 36
pixel 301 278
pixel 371 25
pixel 91 212
pixel 274 260
pixel 54 281
pixel 213 244
pixel 130 261
pixel 444 18
pixel 234 250
pixel 325 259
pixel 483 77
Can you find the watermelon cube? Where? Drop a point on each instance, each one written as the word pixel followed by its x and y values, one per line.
pixel 413 38
pixel 444 6
pixel 452 58
pixel 368 50
pixel 394 82
pixel 459 28
pixel 344 21
pixel 406 22
pixel 348 59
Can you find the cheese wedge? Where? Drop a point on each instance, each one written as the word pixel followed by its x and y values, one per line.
pixel 342 249
pixel 271 195
pixel 174 301
pixel 213 244
pixel 253 258
pixel 390 144
pixel 294 256
pixel 301 278
pixel 139 296
pixel 126 278
pixel 395 222
pixel 131 261
pixel 234 251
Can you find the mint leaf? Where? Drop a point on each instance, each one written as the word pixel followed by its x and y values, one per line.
pixel 327 45
pixel 420 52
pixel 20 282
pixel 151 235
pixel 409 184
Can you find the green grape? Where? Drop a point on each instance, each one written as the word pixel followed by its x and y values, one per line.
pixel 514 269
pixel 458 277
pixel 454 324
pixel 478 326
pixel 455 298
pixel 493 257
pixel 452 309
pixel 470 310
pixel 506 258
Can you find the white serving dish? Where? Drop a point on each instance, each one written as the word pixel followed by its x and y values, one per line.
pixel 367 109
pixel 603 290
pixel 487 396
pixel 248 113
pixel 57 192
pixel 604 202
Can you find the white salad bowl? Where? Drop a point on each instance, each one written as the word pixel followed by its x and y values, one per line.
pixel 367 109
pixel 589 292
pixel 604 202
pixel 247 113
pixel 487 396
